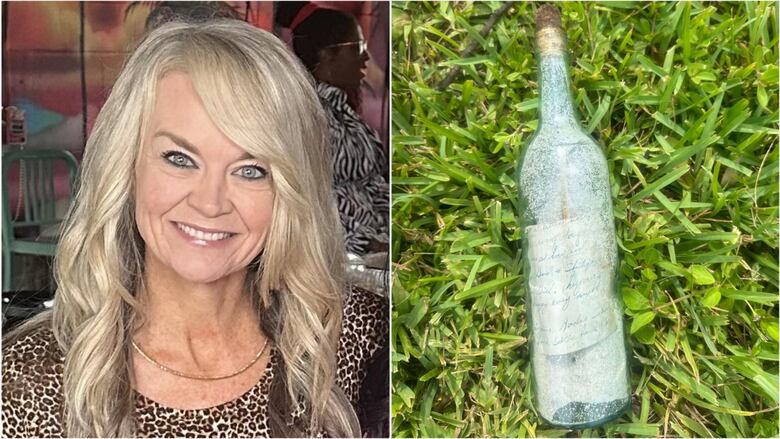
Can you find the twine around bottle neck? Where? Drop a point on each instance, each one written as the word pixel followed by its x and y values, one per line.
pixel 550 41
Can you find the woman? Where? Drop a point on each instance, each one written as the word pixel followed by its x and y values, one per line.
pixel 200 268
pixel 332 48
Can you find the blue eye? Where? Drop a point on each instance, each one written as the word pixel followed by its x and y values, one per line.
pixel 178 159
pixel 252 172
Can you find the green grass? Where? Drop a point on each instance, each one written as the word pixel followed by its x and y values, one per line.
pixel 684 98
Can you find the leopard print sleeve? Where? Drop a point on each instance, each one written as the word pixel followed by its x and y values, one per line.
pixel 31 392
pixel 17 410
pixel 364 332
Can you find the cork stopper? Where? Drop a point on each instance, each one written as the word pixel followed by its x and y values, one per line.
pixel 548 16
pixel 550 39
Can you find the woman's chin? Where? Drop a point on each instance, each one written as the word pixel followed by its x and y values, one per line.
pixel 199 274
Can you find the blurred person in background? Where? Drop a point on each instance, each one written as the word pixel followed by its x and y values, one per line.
pixel 331 45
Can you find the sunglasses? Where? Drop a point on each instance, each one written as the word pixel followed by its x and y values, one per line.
pixel 362 45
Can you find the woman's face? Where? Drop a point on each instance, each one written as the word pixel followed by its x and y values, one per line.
pixel 203 205
pixel 346 61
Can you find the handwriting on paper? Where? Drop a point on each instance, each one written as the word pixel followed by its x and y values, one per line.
pixel 570 282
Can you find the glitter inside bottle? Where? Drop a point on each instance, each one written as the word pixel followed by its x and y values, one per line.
pixel 578 353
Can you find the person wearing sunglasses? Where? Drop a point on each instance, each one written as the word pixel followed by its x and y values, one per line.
pixel 330 44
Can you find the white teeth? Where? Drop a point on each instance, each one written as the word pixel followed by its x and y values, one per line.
pixel 203 236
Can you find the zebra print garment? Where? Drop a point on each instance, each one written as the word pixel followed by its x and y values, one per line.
pixel 358 162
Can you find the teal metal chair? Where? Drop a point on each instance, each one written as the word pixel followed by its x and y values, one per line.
pixel 38 197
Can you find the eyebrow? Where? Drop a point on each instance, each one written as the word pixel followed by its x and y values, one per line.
pixel 190 147
pixel 179 141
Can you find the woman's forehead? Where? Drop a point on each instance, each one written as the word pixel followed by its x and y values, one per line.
pixel 177 102
pixel 179 117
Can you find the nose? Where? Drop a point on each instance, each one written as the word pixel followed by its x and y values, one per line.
pixel 209 196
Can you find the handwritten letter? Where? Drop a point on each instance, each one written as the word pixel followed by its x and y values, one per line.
pixel 572 266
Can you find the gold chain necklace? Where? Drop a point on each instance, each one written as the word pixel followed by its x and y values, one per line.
pixel 200 377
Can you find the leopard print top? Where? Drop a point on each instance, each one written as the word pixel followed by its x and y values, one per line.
pixel 32 400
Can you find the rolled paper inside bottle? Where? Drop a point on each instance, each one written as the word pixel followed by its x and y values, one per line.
pixel 550 41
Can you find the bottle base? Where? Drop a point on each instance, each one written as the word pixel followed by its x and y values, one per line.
pixel 581 415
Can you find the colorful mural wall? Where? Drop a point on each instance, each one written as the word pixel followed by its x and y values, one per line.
pixel 60 59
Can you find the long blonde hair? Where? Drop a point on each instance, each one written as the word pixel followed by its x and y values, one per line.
pixel 260 97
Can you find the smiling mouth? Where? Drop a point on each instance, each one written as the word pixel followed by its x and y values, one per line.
pixel 203 236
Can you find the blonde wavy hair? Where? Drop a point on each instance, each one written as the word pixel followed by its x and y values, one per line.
pixel 260 96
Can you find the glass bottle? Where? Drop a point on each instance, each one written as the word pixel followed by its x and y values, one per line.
pixel 578 351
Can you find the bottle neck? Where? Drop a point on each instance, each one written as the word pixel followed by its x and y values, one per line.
pixel 556 103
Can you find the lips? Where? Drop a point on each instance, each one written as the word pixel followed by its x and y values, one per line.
pixel 203 235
